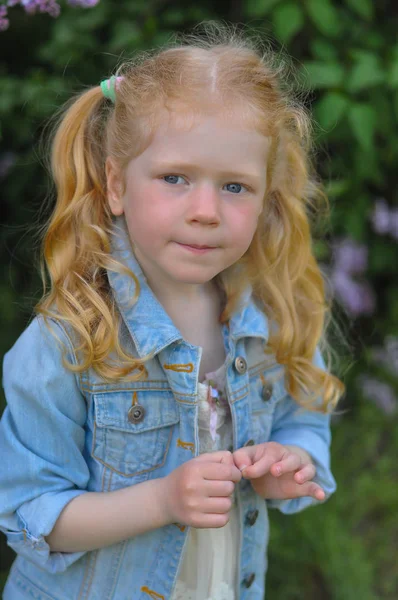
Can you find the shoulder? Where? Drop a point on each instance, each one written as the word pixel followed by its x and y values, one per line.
pixel 40 348
pixel 42 334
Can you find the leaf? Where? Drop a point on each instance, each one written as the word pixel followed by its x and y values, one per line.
pixel 323 50
pixel 125 36
pixel 337 187
pixel 363 8
pixel 259 8
pixel 367 71
pixel 323 74
pixel 173 16
pixel 330 109
pixel 393 70
pixel 363 118
pixel 324 16
pixel 321 249
pixel 288 19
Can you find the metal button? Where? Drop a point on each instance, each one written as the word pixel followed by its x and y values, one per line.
pixel 240 365
pixel 267 391
pixel 136 413
pixel 249 580
pixel 251 517
pixel 248 443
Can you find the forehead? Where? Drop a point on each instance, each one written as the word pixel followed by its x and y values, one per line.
pixel 218 137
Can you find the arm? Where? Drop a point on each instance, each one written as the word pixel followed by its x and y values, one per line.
pixel 99 519
pixel 197 494
pixel 43 474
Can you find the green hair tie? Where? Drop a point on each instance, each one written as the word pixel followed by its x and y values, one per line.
pixel 109 87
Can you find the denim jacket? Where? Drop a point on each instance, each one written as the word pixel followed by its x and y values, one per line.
pixel 63 434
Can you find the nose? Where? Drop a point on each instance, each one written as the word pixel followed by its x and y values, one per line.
pixel 204 206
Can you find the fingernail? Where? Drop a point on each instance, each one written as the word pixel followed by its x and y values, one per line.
pixel 241 468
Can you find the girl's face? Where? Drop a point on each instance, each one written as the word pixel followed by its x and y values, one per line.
pixel 192 199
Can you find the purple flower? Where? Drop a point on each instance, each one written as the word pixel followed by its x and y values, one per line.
pixel 388 355
pixel 385 219
pixel 380 393
pixel 83 3
pixel 50 7
pixel 381 216
pixel 357 297
pixel 350 257
pixel 4 23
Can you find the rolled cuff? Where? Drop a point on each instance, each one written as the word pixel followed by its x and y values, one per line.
pixel 315 446
pixel 35 520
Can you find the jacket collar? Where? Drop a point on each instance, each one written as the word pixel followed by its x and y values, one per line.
pixel 146 320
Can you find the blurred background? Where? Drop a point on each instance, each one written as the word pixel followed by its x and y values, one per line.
pixel 346 56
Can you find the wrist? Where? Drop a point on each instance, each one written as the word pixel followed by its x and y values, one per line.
pixel 162 494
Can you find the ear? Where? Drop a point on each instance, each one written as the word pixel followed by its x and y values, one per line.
pixel 114 187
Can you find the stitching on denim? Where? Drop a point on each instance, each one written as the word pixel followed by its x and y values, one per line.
pixel 186 445
pixel 152 593
pixel 180 368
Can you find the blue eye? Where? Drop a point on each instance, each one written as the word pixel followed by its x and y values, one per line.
pixel 237 187
pixel 171 176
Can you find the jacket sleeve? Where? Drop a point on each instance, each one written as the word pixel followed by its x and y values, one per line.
pixel 42 467
pixel 309 430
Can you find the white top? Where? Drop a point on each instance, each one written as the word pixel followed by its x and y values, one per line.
pixel 209 566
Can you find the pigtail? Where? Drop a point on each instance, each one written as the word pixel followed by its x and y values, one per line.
pixel 76 243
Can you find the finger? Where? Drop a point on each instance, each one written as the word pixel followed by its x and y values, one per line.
pixel 221 456
pixel 259 468
pixel 291 463
pixel 217 505
pixel 221 472
pixel 219 488
pixel 244 457
pixel 311 489
pixel 210 521
pixel 307 473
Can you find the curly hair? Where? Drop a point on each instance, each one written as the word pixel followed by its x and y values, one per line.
pixel 218 68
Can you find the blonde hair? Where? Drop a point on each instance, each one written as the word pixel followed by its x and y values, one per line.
pixel 220 67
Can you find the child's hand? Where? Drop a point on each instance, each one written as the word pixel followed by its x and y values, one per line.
pixel 198 492
pixel 278 472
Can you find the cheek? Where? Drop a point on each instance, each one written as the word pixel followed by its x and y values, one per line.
pixel 148 219
pixel 245 221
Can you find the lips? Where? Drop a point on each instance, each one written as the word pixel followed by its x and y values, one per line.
pixel 197 246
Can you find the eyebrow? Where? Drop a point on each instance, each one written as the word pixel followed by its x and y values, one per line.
pixel 172 166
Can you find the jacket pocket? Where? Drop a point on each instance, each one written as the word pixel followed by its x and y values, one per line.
pixel 133 430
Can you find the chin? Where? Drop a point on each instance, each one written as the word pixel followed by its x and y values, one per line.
pixel 193 278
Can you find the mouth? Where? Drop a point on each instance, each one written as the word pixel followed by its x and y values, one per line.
pixel 199 248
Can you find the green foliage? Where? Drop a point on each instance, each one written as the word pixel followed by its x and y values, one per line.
pixel 347 57
pixel 288 19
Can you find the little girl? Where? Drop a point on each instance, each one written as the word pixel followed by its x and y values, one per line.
pixel 170 387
